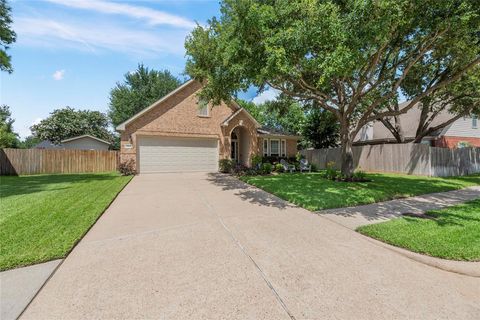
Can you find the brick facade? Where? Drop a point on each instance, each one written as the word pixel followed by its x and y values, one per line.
pixel 177 116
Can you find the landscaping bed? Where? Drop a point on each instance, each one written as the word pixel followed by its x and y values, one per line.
pixel 314 192
pixel 42 217
pixel 451 233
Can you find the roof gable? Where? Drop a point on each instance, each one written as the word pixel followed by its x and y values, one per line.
pixel 85 136
pixel 121 127
pixel 236 113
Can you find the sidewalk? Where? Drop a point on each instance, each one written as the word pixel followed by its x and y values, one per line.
pixel 354 217
pixel 19 286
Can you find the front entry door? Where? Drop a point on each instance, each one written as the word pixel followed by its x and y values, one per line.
pixel 234 150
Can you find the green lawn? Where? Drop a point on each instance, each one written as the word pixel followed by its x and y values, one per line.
pixel 454 233
pixel 313 192
pixel 43 216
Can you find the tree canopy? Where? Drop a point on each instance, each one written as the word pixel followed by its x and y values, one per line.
pixel 8 138
pixel 7 36
pixel 458 99
pixel 68 123
pixel 350 57
pixel 139 89
pixel 318 128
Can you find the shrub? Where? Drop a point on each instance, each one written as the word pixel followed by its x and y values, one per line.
pixel 256 161
pixel 279 167
pixel 239 169
pixel 299 157
pixel 314 167
pixel 127 168
pixel 359 175
pixel 331 173
pixel 251 172
pixel 226 165
pixel 266 168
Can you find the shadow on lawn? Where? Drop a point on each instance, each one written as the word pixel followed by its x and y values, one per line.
pixel 247 192
pixel 19 185
pixel 315 193
pixel 395 208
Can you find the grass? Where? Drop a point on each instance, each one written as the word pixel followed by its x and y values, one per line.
pixel 313 192
pixel 42 217
pixel 454 233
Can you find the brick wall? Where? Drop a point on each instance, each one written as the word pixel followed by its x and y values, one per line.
pixel 452 142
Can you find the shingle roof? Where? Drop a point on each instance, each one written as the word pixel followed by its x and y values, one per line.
pixel 266 130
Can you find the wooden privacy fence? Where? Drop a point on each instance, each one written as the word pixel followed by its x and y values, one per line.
pixel 417 159
pixel 37 161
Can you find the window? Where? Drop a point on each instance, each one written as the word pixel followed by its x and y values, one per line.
pixel 265 147
pixel 283 148
pixel 474 122
pixel 202 108
pixel 274 147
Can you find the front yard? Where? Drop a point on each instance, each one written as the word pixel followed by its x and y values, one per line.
pixel 313 192
pixel 451 233
pixel 42 217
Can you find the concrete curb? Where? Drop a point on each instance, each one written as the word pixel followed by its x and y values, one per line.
pixel 466 268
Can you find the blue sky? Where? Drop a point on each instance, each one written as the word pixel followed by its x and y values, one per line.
pixel 72 52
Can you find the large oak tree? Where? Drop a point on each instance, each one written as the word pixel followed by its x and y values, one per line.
pixel 350 57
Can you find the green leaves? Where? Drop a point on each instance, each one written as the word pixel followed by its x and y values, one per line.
pixel 139 89
pixel 67 123
pixel 352 58
pixel 7 36
pixel 8 138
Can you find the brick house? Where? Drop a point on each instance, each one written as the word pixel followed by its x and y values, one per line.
pixel 181 133
pixel 463 132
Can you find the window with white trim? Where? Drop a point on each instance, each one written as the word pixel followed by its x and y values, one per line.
pixel 274 147
pixel 265 147
pixel 474 122
pixel 202 108
pixel 283 148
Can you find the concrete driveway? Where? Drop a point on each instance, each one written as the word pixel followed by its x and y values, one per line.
pixel 197 246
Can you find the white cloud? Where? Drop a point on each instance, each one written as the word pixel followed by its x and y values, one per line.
pixel 58 75
pixel 151 16
pixel 24 131
pixel 36 121
pixel 267 95
pixel 94 37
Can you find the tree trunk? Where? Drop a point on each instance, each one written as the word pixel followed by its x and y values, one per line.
pixel 399 130
pixel 347 156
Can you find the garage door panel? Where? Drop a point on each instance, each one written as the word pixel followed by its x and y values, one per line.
pixel 158 154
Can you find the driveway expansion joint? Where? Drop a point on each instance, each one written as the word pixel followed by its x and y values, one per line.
pixel 244 251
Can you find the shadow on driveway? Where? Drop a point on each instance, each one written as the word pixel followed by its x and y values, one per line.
pixel 247 192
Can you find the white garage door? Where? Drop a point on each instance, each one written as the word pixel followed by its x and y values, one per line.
pixel 162 154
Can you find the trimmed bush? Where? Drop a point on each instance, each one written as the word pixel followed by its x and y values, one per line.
pixel 127 168
pixel 278 167
pixel 226 165
pixel 266 168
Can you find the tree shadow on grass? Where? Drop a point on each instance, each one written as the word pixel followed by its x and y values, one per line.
pixel 314 193
pixel 246 192
pixel 20 185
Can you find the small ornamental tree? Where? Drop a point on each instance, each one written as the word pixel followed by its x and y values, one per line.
pixel 349 57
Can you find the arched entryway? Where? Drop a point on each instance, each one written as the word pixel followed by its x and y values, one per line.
pixel 240 145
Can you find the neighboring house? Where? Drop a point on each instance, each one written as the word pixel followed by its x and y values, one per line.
pixel 463 132
pixel 180 133
pixel 84 142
